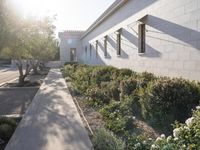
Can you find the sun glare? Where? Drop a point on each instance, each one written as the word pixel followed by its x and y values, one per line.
pixel 36 7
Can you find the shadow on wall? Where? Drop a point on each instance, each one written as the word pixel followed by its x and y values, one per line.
pixel 113 43
pixel 179 32
pixel 150 51
pixel 102 49
pixel 93 60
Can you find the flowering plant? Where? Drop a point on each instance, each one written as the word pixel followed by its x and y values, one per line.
pixel 185 136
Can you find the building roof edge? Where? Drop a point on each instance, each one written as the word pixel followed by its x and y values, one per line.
pixel 116 5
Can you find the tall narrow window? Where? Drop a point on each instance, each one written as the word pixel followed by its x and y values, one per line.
pixel 97 49
pixel 119 42
pixel 85 52
pixel 141 38
pixel 90 51
pixel 105 46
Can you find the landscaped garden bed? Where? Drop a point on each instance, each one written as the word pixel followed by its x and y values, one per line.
pixel 32 80
pixel 137 108
pixel 7 128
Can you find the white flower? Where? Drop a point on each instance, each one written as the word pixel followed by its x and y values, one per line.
pixel 144 142
pixel 134 117
pixel 175 139
pixel 137 145
pixel 184 146
pixel 198 107
pixel 150 139
pixel 186 128
pixel 189 121
pixel 169 138
pixel 162 136
pixel 158 140
pixel 154 147
pixel 176 132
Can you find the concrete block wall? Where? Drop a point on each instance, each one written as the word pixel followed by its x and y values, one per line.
pixel 172 38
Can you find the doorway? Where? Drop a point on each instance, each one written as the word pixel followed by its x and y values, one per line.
pixel 72 54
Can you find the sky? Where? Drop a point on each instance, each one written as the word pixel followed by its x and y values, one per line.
pixel 71 14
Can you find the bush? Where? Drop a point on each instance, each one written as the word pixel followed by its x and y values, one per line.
pixel 185 136
pixel 105 140
pixel 128 86
pixel 7 127
pixel 118 117
pixel 141 142
pixel 144 78
pixel 102 74
pixel 167 100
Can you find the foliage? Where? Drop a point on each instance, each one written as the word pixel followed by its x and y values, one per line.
pixel 185 136
pixel 27 41
pixel 105 140
pixel 119 117
pixel 167 100
pixel 7 127
pixel 121 94
pixel 140 142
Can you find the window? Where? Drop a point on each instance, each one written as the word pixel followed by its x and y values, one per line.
pixel 141 38
pixel 119 42
pixel 97 49
pixel 85 52
pixel 90 51
pixel 105 46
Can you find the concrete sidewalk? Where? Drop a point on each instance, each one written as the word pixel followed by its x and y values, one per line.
pixel 52 121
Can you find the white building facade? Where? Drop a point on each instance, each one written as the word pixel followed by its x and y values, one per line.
pixel 158 36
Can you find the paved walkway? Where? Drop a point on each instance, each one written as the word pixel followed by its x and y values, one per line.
pixel 52 121
pixel 8 74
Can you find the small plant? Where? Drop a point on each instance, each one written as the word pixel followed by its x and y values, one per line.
pixel 118 117
pixel 7 127
pixel 106 140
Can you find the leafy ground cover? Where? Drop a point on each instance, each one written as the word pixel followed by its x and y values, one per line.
pixel 125 98
pixel 7 128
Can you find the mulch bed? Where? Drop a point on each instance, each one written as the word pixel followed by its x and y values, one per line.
pixel 92 116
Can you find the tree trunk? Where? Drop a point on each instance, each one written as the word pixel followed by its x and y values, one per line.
pixel 22 76
pixel 21 80
pixel 35 69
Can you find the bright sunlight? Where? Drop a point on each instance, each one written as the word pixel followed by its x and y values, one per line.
pixel 71 14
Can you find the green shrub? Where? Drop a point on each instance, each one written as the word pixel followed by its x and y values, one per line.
pixel 144 78
pixel 7 127
pixel 140 142
pixel 102 74
pixel 128 86
pixel 118 117
pixel 111 89
pixel 95 97
pixel 167 100
pixel 185 136
pixel 105 140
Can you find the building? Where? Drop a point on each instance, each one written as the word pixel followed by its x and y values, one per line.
pixel 158 36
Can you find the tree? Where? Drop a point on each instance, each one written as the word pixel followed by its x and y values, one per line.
pixel 19 49
pixel 44 42
pixel 32 41
pixel 27 41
